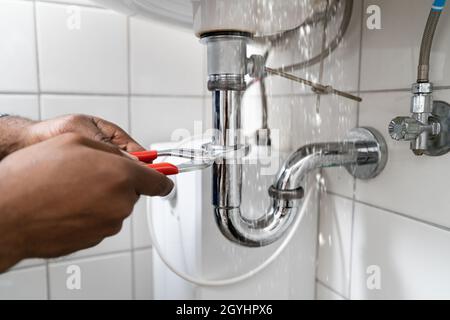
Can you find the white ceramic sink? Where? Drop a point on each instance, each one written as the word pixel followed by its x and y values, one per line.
pixel 254 16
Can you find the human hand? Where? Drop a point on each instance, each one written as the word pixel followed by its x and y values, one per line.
pixel 68 193
pixel 87 126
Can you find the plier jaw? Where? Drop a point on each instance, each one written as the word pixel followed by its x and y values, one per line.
pixel 199 160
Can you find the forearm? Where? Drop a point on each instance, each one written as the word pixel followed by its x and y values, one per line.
pixel 13 134
pixel 10 246
pixel 11 139
pixel 11 242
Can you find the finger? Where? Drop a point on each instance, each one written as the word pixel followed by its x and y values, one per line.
pixel 101 146
pixel 108 147
pixel 150 182
pixel 83 125
pixel 129 155
pixel 117 135
pixel 133 146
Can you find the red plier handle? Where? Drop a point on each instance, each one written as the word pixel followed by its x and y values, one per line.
pixel 150 155
pixel 146 156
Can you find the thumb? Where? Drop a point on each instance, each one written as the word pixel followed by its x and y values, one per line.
pixel 150 182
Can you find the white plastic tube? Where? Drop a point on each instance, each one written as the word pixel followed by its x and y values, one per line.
pixel 236 279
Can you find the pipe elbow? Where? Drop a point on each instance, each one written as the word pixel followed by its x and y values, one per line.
pixel 257 232
pixel 363 154
pixel 296 167
pixel 286 197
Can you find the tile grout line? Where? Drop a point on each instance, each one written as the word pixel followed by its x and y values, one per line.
pixel 316 241
pixel 133 260
pixel 38 84
pixel 358 109
pixel 38 69
pixel 397 213
pixel 92 256
pixel 318 200
pixel 68 3
pixel 77 258
pixel 331 289
pixel 89 94
pixel 178 96
pixel 339 195
pixel 406 216
pixel 436 88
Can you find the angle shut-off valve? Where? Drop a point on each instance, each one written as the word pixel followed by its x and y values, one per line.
pixel 428 127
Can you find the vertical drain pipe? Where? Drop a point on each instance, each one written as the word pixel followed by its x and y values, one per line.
pixel 227 67
pixel 363 154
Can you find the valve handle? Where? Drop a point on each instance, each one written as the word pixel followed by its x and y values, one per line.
pixel 405 128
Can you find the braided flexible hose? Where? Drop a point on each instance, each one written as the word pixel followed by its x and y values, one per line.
pixel 423 72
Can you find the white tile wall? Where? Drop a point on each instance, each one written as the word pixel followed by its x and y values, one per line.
pixel 390 55
pixel 102 277
pixel 74 2
pixel 143 274
pixel 114 109
pixel 89 58
pixel 395 188
pixel 17 47
pixel 129 74
pixel 324 293
pixel 412 257
pixel 330 118
pixel 158 60
pixel 29 284
pixel 164 119
pixel 399 220
pixel 29 263
pixel 280 109
pixel 339 115
pixel 335 242
pixel 341 69
pixel 21 105
pixel 141 236
pixel 328 121
pixel 87 71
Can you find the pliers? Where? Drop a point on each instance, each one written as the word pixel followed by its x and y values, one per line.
pixel 199 160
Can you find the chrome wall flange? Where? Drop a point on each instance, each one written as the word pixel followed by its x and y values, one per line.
pixel 439 144
pixel 374 146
